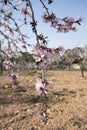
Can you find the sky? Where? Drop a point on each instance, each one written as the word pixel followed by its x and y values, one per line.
pixel 63 8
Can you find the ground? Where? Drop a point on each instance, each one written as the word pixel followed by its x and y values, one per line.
pixel 67 102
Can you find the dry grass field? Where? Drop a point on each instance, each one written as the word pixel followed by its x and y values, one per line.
pixel 67 102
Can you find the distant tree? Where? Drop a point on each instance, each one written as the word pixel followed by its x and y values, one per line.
pixel 28 57
pixel 83 55
pixel 25 56
pixel 67 58
pixel 76 55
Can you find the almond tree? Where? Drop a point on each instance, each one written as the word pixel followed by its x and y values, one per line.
pixel 68 58
pixel 11 31
pixel 79 55
pixel 83 56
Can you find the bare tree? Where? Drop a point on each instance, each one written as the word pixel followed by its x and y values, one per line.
pixel 68 58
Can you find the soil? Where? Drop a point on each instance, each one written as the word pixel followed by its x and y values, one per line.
pixel 67 102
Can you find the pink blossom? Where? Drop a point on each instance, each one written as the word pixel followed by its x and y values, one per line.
pixel 14 76
pixel 1 24
pixel 25 12
pixel 41 87
pixel 62 25
pixel 10 32
pixel 37 58
pixel 43 115
pixel 46 55
pixel 54 23
pixel 18 3
pixel 8 64
pixel 4 23
pixel 9 52
pixel 24 46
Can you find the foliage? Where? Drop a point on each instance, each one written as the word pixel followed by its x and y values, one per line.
pixel 25 56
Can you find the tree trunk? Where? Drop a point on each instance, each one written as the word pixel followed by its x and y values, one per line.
pixel 1 68
pixel 82 69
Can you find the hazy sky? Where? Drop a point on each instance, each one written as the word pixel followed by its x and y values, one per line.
pixel 63 8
